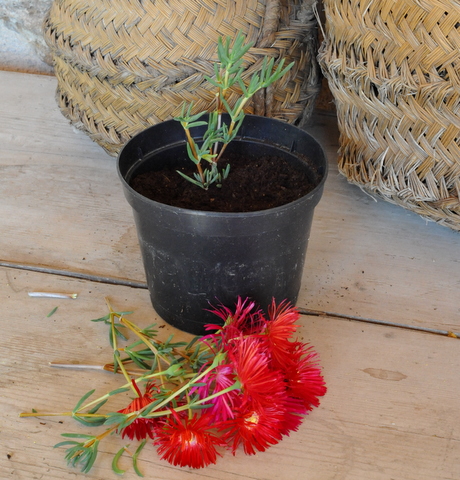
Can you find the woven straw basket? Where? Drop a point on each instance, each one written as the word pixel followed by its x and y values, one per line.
pixel 123 65
pixel 393 68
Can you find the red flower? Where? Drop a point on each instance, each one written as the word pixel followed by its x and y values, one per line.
pixel 243 321
pixel 251 363
pixel 279 330
pixel 256 427
pixel 140 428
pixel 303 375
pixel 187 442
pixel 293 416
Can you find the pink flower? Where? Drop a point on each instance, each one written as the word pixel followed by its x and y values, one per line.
pixel 219 379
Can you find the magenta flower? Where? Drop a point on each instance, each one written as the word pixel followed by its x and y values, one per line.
pixel 215 382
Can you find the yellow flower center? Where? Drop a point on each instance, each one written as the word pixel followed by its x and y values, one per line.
pixel 191 440
pixel 253 420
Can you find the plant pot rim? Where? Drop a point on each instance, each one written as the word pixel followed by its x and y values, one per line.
pixel 210 213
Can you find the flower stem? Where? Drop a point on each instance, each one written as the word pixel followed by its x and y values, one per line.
pixel 126 385
pixel 195 154
pixel 116 353
pixel 138 332
pixel 235 386
pixel 215 363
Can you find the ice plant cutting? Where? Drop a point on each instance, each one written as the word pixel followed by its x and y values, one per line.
pixel 228 73
pixel 244 385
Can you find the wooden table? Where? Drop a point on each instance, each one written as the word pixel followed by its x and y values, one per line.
pixel 391 411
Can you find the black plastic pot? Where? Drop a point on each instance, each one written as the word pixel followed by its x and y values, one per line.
pixel 193 258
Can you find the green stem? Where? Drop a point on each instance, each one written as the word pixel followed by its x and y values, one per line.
pixel 146 341
pixel 116 353
pixel 194 152
pixel 128 384
pixel 235 386
pixel 187 385
pixel 156 412
pixel 232 125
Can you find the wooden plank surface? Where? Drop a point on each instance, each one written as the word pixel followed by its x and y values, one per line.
pixel 53 175
pixel 62 207
pixel 390 411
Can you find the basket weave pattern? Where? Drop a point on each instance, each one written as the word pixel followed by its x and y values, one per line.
pixel 393 68
pixel 124 65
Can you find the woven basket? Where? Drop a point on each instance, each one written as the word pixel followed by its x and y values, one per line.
pixel 124 65
pixel 393 68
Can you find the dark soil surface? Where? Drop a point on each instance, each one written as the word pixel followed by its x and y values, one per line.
pixel 253 184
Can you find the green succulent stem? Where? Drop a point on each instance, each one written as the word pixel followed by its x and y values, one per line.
pixel 228 71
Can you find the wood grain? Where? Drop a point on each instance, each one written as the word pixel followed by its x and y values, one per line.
pixel 62 207
pixel 392 401
pixel 389 412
